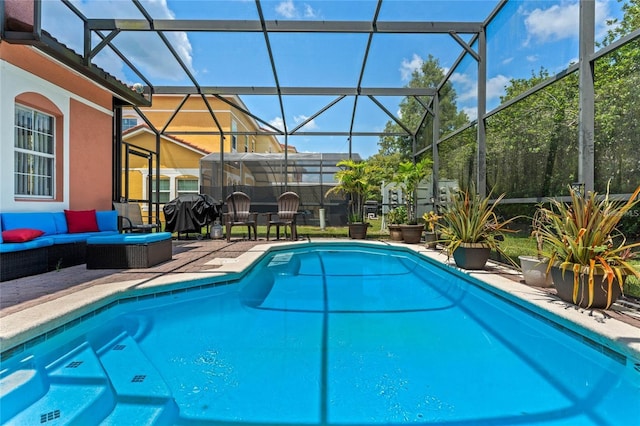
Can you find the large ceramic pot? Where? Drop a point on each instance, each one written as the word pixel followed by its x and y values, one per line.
pixel 563 282
pixel 358 230
pixel 412 234
pixel 534 271
pixel 395 233
pixel 471 255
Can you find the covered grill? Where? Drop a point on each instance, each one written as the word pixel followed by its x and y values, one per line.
pixel 190 212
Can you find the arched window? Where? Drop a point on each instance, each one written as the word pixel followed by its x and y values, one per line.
pixel 34 153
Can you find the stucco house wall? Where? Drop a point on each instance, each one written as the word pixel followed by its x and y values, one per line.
pixel 83 128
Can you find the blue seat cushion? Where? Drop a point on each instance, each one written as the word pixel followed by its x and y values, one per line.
pixel 43 221
pixel 80 237
pixel 28 245
pixel 130 238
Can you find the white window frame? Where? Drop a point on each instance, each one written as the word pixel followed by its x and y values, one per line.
pixel 30 150
pixel 185 179
pixel 234 137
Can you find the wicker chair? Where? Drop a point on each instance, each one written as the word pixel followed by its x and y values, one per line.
pixel 130 218
pixel 288 203
pixel 238 213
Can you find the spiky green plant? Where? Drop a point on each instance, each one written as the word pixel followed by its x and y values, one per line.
pixel 469 218
pixel 583 237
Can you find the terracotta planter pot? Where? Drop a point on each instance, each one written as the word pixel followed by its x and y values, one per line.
pixel 564 285
pixel 471 256
pixel 395 233
pixel 358 231
pixel 412 234
pixel 534 271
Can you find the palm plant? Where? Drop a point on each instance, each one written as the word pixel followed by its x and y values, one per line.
pixel 469 219
pixel 409 176
pixel 356 179
pixel 583 237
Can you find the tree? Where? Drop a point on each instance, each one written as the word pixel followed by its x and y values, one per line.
pixel 412 112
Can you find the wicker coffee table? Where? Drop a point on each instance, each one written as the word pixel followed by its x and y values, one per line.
pixel 123 251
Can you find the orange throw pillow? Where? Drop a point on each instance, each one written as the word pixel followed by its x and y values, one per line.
pixel 81 221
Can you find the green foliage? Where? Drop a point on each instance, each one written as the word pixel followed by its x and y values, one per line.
pixel 408 176
pixel 583 236
pixel 412 112
pixel 358 181
pixel 397 216
pixel 470 219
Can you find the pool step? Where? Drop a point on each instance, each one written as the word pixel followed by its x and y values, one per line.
pixel 125 413
pixel 139 387
pixel 20 388
pixel 78 392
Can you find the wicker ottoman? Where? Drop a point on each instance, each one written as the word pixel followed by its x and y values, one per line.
pixel 122 251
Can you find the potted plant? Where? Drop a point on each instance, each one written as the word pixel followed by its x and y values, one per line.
pixel 535 268
pixel 356 181
pixel 470 229
pixel 431 219
pixel 589 256
pixel 409 175
pixel 396 218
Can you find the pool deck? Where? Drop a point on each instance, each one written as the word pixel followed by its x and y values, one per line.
pixel 32 306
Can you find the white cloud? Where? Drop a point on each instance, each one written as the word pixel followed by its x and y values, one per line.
pixel 467 89
pixel 278 123
pixel 472 112
pixel 287 9
pixel 309 12
pixel 407 67
pixel 507 61
pixel 496 86
pixel 311 125
pixel 533 58
pixel 560 21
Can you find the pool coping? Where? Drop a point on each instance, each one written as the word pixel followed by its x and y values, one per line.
pixel 21 329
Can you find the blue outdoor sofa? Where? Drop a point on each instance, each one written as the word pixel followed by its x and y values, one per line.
pixel 55 248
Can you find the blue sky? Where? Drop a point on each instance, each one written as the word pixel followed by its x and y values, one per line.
pixel 526 36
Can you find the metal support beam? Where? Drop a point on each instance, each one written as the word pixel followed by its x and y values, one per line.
pixel 288 26
pixel 435 156
pixel 481 179
pixel 586 120
pixel 295 91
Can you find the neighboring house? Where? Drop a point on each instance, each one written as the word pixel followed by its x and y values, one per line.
pixel 56 121
pixel 179 165
pixel 189 135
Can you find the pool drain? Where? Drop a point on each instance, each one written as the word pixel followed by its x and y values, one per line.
pixel 74 364
pixel 119 347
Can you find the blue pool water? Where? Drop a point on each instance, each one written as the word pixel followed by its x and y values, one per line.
pixel 322 335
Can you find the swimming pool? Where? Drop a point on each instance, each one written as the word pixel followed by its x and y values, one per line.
pixel 322 334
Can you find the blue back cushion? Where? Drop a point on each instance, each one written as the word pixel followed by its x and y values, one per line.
pixel 107 220
pixel 1 229
pixel 61 222
pixel 43 221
